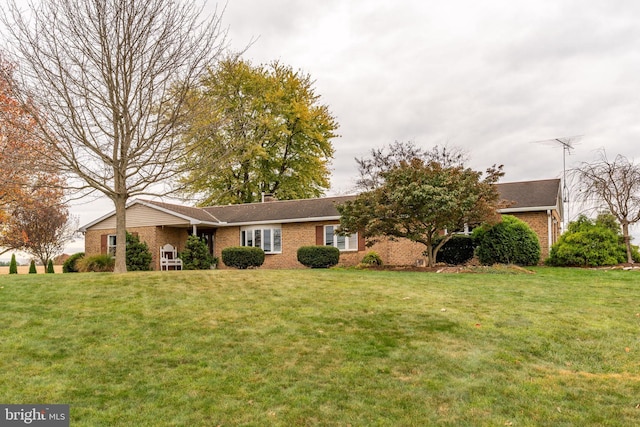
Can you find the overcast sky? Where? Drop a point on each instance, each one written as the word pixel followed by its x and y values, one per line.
pixel 490 77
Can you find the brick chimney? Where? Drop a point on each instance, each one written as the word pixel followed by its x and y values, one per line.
pixel 268 197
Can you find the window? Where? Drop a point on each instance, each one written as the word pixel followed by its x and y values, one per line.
pixel 344 243
pixel 111 244
pixel 466 230
pixel 268 238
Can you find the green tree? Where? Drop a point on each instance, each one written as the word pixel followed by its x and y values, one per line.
pixel 32 267
pixel 591 243
pixel 13 266
pixel 195 255
pixel 419 198
pixel 50 269
pixel 257 129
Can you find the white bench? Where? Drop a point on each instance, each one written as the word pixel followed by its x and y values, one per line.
pixel 169 258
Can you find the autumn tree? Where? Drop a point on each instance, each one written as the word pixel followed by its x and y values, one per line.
pixel 40 224
pixel 418 198
pixel 258 129
pixel 109 80
pixel 18 157
pixel 615 186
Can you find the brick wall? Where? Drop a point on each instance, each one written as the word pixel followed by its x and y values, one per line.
pixel 295 235
pixel 392 252
pixel 154 237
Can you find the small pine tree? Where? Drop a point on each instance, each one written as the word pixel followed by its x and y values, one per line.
pixel 32 267
pixel 13 266
pixel 195 255
pixel 138 254
pixel 50 269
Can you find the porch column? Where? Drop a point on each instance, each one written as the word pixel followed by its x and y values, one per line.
pixel 195 230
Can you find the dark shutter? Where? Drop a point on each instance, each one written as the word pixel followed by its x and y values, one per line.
pixel 320 235
pixel 361 242
pixel 103 243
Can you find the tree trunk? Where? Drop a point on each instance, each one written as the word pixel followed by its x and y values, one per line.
pixel 627 241
pixel 121 235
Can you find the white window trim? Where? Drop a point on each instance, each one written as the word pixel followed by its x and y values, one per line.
pixel 349 238
pixel 262 228
pixel 111 247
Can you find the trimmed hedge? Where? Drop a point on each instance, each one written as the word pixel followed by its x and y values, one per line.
pixel 318 256
pixel 511 241
pixel 242 257
pixel 458 250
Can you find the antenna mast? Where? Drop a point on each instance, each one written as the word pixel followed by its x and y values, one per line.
pixel 567 143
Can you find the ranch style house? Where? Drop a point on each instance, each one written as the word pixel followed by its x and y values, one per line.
pixel 281 227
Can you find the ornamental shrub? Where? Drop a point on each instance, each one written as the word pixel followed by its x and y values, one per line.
pixel 195 255
pixel 318 256
pixel 458 250
pixel 138 254
pixel 371 259
pixel 242 257
pixel 96 263
pixel 50 269
pixel 69 266
pixel 32 267
pixel 13 265
pixel 589 243
pixel 510 241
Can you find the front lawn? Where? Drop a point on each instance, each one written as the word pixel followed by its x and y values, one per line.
pixel 325 347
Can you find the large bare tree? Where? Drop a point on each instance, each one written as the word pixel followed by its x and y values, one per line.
pixel 615 185
pixel 109 80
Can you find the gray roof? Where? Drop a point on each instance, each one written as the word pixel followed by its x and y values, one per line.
pixel 277 211
pixel 523 196
pixel 531 195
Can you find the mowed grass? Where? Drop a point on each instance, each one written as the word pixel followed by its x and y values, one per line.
pixel 325 347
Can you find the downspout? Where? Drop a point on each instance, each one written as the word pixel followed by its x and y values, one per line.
pixel 549 231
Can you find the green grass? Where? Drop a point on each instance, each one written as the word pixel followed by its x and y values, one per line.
pixel 330 348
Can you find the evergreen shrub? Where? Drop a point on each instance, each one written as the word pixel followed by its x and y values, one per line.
pixel 13 265
pixel 457 250
pixel 50 269
pixel 318 256
pixel 32 267
pixel 195 255
pixel 138 254
pixel 589 243
pixel 242 257
pixel 510 241
pixel 70 265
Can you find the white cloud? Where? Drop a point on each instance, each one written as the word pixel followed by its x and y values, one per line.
pixel 490 76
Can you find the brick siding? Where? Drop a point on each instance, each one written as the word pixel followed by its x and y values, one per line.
pixel 295 235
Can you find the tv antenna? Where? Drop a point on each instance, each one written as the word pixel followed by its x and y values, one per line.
pixel 567 143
